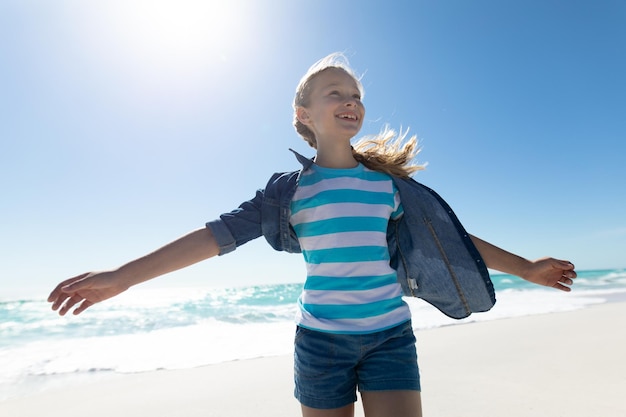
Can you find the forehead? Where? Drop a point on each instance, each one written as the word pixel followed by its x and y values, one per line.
pixel 332 77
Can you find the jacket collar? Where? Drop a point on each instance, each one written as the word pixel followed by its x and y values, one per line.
pixel 306 162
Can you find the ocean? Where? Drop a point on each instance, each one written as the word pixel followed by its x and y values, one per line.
pixel 174 328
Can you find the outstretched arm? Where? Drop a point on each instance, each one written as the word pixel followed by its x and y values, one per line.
pixel 87 289
pixel 550 272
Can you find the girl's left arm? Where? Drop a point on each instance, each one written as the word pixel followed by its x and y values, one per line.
pixel 550 272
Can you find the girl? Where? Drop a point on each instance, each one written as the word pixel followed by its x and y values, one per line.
pixel 368 233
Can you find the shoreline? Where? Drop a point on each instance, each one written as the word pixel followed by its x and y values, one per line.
pixel 563 363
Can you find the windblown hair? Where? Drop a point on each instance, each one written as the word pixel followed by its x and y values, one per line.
pixel 390 152
pixel 387 151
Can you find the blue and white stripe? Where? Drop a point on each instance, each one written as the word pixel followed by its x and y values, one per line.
pixel 341 218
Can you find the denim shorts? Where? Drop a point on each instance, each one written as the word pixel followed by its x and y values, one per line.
pixel 329 367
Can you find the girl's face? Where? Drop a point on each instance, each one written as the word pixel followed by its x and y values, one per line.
pixel 334 110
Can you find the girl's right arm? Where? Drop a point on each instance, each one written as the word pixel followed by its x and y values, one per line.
pixel 87 289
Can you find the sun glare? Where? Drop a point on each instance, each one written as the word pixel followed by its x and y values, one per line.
pixel 177 41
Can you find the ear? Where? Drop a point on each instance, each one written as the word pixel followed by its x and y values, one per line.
pixel 303 115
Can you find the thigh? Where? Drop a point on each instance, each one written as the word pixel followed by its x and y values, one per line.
pixel 392 403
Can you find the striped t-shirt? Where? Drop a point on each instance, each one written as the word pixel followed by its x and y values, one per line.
pixel 340 217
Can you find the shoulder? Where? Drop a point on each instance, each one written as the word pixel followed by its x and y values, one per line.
pixel 280 182
pixel 409 184
pixel 281 178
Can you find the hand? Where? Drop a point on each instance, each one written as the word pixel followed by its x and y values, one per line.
pixel 551 272
pixel 85 290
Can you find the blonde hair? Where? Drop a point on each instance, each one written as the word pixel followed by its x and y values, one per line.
pixel 386 151
pixel 390 152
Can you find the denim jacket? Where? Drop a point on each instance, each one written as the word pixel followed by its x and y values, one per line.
pixel 432 253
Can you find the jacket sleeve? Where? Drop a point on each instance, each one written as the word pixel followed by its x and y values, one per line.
pixel 239 226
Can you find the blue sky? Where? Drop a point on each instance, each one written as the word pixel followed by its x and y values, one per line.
pixel 125 124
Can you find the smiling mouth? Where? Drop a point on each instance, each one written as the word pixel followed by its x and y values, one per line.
pixel 348 116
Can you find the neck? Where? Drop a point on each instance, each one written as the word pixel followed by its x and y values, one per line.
pixel 339 157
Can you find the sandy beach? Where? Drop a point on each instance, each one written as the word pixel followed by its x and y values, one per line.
pixel 560 364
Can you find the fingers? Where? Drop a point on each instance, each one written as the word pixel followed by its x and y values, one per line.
pixel 58 290
pixel 64 294
pixel 567 276
pixel 560 286
pixel 69 303
pixel 66 303
pixel 58 301
pixel 560 283
pixel 568 273
pixel 82 307
pixel 76 284
pixel 564 265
